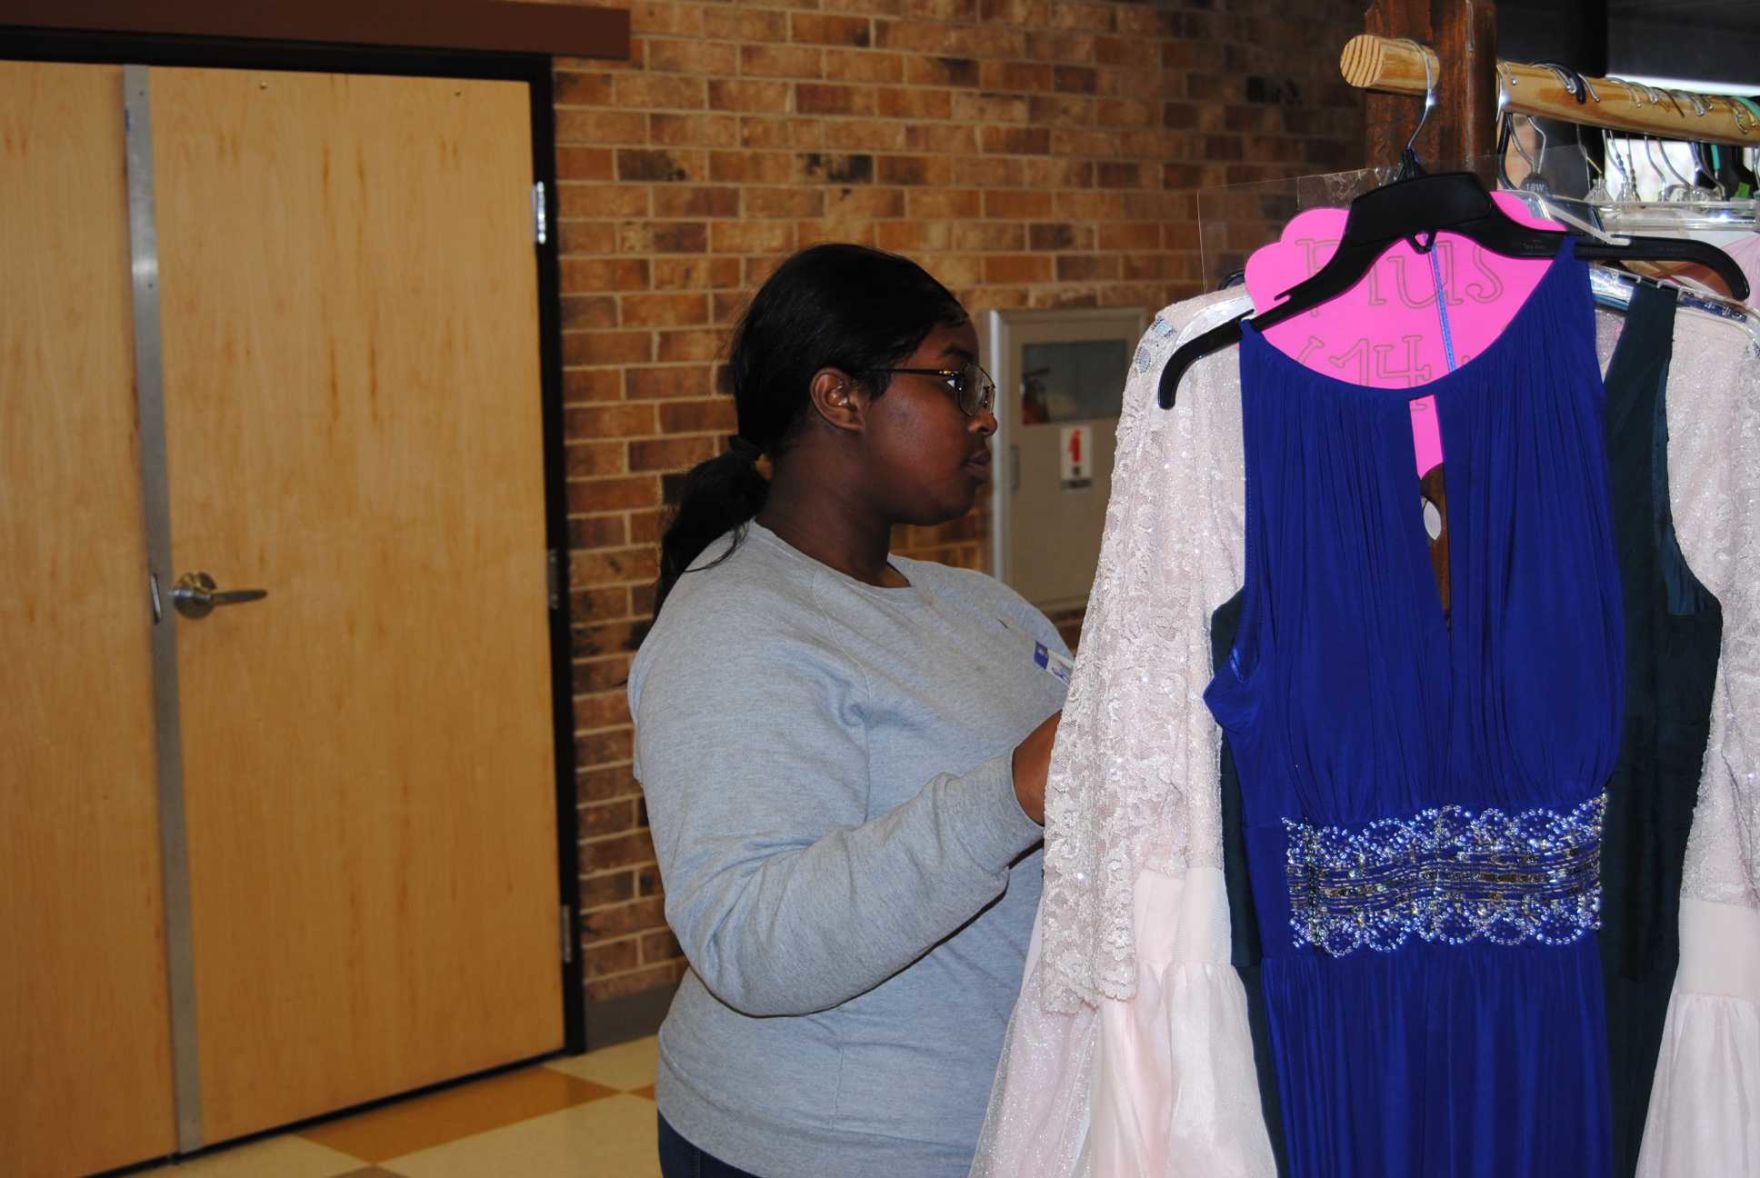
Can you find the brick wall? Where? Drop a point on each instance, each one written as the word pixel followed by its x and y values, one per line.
pixel 1029 153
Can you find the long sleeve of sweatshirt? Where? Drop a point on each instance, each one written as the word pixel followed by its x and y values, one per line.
pixel 788 891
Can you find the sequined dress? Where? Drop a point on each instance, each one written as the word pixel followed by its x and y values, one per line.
pixel 1423 793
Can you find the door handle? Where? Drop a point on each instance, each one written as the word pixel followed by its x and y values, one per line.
pixel 195 595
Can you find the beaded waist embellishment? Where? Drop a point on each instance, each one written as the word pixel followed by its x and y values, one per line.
pixel 1447 874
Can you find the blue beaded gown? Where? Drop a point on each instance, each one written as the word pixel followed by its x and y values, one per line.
pixel 1422 793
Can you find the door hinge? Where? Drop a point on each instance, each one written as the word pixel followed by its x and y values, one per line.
pixel 567 935
pixel 540 223
pixel 553 578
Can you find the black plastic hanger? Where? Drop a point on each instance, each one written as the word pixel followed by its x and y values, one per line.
pixel 1416 210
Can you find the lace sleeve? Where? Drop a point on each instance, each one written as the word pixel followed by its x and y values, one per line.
pixel 1133 780
pixel 1714 463
pixel 1704 1115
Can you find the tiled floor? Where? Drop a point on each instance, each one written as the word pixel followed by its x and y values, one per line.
pixel 591 1116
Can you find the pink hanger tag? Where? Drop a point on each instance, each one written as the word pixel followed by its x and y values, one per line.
pixel 1413 318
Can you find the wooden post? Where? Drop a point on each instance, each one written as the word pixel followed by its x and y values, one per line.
pixel 1462 125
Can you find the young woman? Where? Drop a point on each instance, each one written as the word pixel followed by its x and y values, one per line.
pixel 844 752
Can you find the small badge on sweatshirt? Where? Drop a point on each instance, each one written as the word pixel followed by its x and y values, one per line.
pixel 1049 659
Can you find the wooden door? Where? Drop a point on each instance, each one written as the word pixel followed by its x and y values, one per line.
pixel 353 418
pixel 85 1058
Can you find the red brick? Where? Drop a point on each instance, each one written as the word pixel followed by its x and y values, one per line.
pixel 751 167
pixel 816 98
pixel 600 127
pixel 985 108
pixel 643 91
pixel 940 71
pixel 668 383
pixel 1061 110
pixel 899 103
pixel 1074 79
pixel 1014 75
pixel 784 202
pixel 622 985
pixel 1051 237
pixel 590 641
pixel 916 170
pixel 591 384
pixel 684 346
pixel 695 273
pixel 609 421
pixel 663 237
pixel 1088 268
pixel 599 602
pixel 606 347
pixel 583 163
pixel 672 454
pixel 605 710
pixel 1118 174
pixel 623 919
pixel 582 311
pixel 913 237
pixel 624 850
pixel 600 783
pixel 578 89
pixel 583 201
pixel 1017 206
pixel 751 237
pixel 863 65
pixel 1015 140
pixel 664 310
pixel 613 957
pixel 864 202
pixel 590 495
pixel 660 945
pixel 749 96
pixel 651 166
pixel 613 566
pixel 586 237
pixel 717 130
pixel 1017 268
pixel 939 137
pixel 812 29
pixel 734 22
pixel 670 201
pixel 663 17
pixel 953 203
pixel 715 58
pixel 683 417
pixel 596 274
pixel 645 526
pixel 989 235
pixel 614 888
pixel 1130 237
pixel 780 61
pixel 602 675
pixel 586 460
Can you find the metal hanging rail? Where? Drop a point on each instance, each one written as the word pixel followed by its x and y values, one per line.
pixel 1399 67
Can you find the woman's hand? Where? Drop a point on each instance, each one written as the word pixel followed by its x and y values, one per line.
pixel 1032 761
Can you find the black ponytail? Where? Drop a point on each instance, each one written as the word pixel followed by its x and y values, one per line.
pixel 830 306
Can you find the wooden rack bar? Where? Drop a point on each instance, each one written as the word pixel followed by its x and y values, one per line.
pixel 1399 67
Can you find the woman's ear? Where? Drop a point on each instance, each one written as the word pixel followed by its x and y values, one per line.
pixel 839 400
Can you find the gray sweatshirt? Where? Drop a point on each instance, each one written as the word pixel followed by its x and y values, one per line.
pixel 827 768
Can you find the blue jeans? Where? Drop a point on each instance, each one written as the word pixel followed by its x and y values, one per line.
pixel 680 1159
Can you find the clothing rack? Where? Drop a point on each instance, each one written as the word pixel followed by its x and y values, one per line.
pixel 1396 66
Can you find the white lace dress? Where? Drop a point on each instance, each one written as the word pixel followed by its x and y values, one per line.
pixel 1129 1054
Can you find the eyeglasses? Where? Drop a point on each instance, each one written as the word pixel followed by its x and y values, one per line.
pixel 973 390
